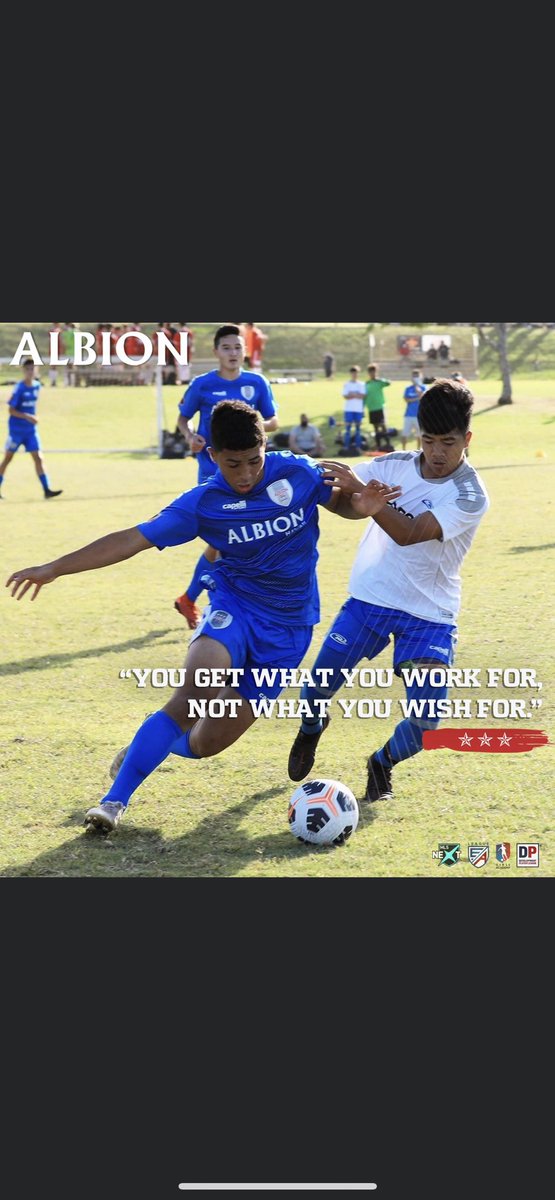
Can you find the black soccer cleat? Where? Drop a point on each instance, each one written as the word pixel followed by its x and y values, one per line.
pixel 303 752
pixel 49 495
pixel 379 785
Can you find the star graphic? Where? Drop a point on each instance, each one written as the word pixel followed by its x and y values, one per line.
pixel 485 740
pixel 505 741
pixel 466 740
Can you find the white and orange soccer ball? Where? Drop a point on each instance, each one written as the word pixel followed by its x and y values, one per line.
pixel 323 812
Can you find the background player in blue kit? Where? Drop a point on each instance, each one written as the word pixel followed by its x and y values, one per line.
pixel 22 427
pixel 412 396
pixel 405 581
pixel 229 382
pixel 261 514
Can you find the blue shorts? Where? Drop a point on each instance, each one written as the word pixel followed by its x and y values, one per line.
pixel 354 416
pixel 28 438
pixel 363 630
pixel 254 644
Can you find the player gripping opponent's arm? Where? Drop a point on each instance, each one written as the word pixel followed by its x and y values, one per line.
pixel 115 548
pixel 399 527
pixel 357 500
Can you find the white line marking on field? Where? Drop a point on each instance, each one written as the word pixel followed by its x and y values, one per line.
pixel 278 1187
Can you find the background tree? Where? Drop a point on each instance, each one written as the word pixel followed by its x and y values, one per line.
pixel 498 341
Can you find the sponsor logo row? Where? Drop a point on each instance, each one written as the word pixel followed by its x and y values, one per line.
pixel 448 854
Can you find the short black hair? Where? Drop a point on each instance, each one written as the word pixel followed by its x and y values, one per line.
pixel 28 362
pixel 447 405
pixel 236 426
pixel 226 331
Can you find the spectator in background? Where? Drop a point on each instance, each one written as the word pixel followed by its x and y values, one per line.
pixel 255 342
pixel 353 394
pixel 443 351
pixel 53 372
pixel 69 351
pixel 115 334
pixel 135 348
pixel 259 346
pixel 306 439
pixel 412 398
pixel 375 403
pixel 184 373
pixel 432 352
pixel 329 365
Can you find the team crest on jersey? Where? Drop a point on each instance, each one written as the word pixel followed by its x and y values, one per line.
pixel 248 394
pixel 281 492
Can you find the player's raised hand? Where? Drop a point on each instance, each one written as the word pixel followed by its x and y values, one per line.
pixel 375 496
pixel 37 577
pixel 341 476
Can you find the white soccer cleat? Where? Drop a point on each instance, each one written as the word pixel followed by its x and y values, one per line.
pixel 104 818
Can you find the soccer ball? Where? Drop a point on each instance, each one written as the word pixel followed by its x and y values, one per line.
pixel 323 812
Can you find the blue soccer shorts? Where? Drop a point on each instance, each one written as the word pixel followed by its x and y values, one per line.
pixel 363 630
pixel 254 643
pixel 30 440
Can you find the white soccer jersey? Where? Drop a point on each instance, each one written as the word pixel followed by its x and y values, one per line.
pixel 357 392
pixel 422 579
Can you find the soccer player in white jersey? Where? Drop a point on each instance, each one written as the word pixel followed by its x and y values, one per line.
pixel 260 512
pixel 405 582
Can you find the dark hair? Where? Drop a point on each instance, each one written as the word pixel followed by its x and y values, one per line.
pixel 354 368
pixel 28 362
pixel 226 331
pixel 236 426
pixel 447 405
pixel 372 367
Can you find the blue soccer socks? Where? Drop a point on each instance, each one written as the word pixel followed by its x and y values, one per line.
pixel 150 747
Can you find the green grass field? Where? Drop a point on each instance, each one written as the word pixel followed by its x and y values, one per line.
pixel 66 711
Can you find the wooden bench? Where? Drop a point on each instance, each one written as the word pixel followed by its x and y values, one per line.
pixel 301 374
pixel 105 376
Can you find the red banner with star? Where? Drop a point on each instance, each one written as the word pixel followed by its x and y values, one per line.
pixel 485 741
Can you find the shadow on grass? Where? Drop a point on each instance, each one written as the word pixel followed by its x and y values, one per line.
pixel 479 412
pixel 55 660
pixel 217 847
pixel 530 549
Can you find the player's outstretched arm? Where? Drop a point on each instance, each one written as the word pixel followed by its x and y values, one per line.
pixel 368 501
pixel 116 547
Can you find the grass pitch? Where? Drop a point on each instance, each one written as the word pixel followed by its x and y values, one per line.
pixel 65 709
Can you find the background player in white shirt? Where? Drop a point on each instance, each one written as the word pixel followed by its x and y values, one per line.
pixel 405 581
pixel 354 393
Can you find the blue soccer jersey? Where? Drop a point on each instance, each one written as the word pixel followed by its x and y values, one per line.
pixel 209 390
pixel 267 539
pixel 413 396
pixel 25 400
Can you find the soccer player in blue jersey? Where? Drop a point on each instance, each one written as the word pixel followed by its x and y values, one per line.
pixel 22 427
pixel 228 382
pixel 261 514
pixel 405 582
